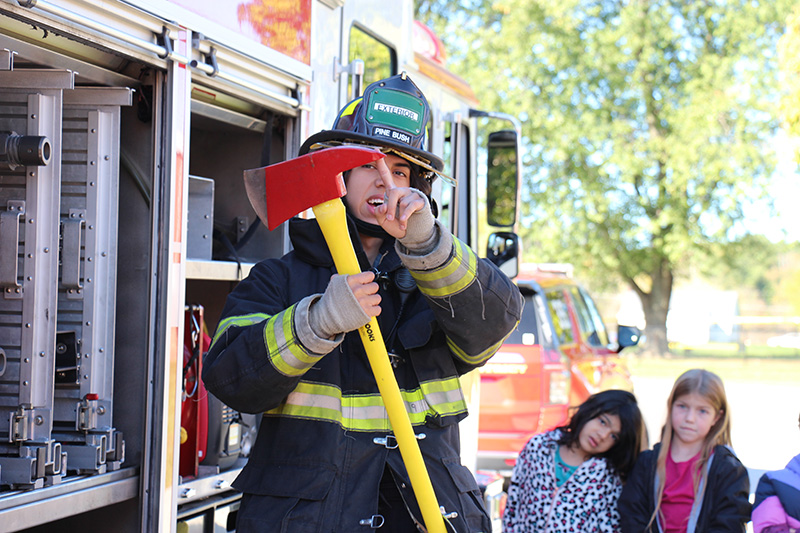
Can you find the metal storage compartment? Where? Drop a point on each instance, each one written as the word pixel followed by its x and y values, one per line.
pixel 83 405
pixel 200 226
pixel 30 105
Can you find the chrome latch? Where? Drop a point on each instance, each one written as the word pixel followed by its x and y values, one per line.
pixel 389 441
pixel 446 515
pixel 375 521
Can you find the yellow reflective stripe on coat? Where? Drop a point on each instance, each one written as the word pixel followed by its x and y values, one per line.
pixel 452 277
pixel 366 412
pixel 479 357
pixel 284 352
pixel 239 321
pixel 445 395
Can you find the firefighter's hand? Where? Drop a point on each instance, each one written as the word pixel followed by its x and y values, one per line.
pixel 406 212
pixel 348 303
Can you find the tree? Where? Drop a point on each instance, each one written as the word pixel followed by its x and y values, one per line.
pixel 647 125
pixel 747 262
pixel 789 60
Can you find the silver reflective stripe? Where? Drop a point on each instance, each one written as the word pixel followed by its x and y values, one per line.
pixel 285 353
pixel 314 400
pixel 444 397
pixel 452 277
pixel 366 412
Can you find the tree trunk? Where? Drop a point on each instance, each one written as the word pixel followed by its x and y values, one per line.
pixel 656 305
pixel 656 333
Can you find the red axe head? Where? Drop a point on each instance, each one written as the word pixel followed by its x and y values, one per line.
pixel 280 191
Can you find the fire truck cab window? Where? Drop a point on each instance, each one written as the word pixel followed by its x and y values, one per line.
pixel 590 319
pixel 380 60
pixel 446 197
pixel 528 322
pixel 561 321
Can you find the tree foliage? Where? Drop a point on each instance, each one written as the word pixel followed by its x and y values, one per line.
pixel 647 124
pixel 791 291
pixel 749 261
pixel 789 60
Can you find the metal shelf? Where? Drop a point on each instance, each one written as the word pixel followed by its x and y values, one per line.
pixel 209 482
pixel 74 495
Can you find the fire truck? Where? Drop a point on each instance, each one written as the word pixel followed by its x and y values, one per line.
pixel 125 128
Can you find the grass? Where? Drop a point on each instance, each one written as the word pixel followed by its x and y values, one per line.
pixel 730 367
pixel 734 350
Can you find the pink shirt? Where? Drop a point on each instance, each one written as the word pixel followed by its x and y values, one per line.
pixel 676 503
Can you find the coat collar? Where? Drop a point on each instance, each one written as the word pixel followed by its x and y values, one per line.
pixel 309 244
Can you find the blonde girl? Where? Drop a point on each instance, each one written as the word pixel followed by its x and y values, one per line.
pixel 691 481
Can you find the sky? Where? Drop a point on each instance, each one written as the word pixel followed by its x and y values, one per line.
pixel 785 193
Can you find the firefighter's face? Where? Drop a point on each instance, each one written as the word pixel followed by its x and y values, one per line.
pixel 367 184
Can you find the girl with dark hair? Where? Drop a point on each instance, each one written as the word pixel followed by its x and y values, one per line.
pixel 569 479
pixel 691 481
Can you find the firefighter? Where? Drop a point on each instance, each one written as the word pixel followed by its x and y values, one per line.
pixel 325 458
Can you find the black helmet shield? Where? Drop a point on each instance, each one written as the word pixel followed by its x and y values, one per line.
pixel 392 115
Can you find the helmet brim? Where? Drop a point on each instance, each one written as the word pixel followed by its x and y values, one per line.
pixel 327 138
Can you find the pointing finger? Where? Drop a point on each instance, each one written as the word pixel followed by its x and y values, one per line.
pixel 385 173
pixel 390 200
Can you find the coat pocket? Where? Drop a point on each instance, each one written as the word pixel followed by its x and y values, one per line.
pixel 284 497
pixel 436 374
pixel 472 515
pixel 417 331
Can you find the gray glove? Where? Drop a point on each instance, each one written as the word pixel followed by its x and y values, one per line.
pixel 338 311
pixel 421 235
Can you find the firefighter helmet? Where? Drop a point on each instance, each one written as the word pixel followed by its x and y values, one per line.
pixel 392 115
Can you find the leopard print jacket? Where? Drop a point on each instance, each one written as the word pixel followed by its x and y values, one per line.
pixel 586 503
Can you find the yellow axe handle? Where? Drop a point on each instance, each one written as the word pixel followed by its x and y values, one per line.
pixel 332 220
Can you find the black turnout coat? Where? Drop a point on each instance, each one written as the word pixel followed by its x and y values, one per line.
pixel 324 438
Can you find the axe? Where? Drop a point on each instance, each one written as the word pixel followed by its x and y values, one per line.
pixel 280 191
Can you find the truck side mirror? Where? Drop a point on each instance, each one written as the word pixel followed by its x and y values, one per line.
pixel 503 249
pixel 627 336
pixel 502 178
